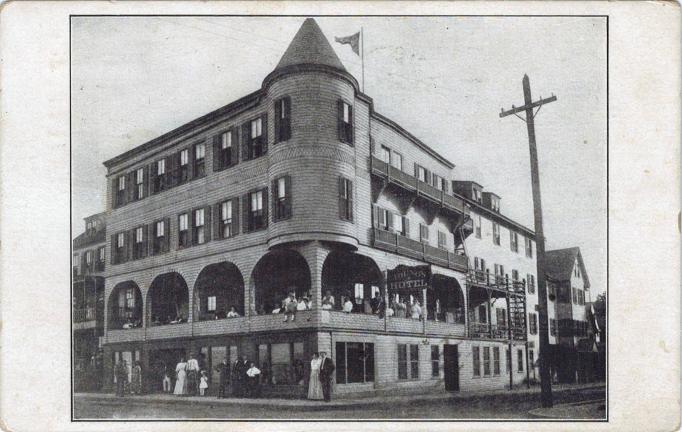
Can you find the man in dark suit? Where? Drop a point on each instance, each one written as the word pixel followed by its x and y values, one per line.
pixel 224 369
pixel 326 370
pixel 237 378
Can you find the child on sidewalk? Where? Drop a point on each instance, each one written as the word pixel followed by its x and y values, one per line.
pixel 203 384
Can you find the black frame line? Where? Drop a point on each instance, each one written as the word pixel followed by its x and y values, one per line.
pixel 606 420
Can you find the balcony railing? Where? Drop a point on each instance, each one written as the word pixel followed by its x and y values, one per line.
pixel 411 183
pixel 493 331
pixel 84 314
pixel 402 245
pixel 483 278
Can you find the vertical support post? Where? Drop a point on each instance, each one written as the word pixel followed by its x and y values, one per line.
pixel 509 333
pixel 528 366
pixel 490 315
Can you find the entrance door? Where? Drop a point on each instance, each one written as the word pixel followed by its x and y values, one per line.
pixel 451 367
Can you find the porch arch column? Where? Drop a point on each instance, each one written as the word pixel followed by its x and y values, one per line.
pixel 315 254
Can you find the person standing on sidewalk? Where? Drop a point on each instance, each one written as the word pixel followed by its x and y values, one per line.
pixel 136 380
pixel 224 369
pixel 326 370
pixel 121 375
pixel 192 376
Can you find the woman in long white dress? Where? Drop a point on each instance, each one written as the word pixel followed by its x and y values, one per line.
pixel 180 383
pixel 314 385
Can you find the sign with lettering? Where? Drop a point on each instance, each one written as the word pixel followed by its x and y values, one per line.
pixel 408 278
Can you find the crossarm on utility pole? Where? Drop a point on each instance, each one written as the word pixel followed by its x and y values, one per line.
pixel 515 110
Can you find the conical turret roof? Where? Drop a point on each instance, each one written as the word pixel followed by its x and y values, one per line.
pixel 310 46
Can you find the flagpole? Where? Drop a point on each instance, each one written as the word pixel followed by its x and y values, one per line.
pixel 362 56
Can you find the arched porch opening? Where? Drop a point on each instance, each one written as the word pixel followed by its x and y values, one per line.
pixel 167 300
pixel 445 301
pixel 347 275
pixel 277 273
pixel 125 306
pixel 218 288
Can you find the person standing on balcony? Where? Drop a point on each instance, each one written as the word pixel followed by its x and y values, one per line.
pixel 328 301
pixel 416 310
pixel 290 306
pixel 233 313
pixel 348 305
pixel 326 370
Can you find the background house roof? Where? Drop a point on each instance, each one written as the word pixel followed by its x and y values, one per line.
pixel 559 264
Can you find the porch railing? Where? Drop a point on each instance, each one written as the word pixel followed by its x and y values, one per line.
pixel 494 331
pixel 402 245
pixel 84 314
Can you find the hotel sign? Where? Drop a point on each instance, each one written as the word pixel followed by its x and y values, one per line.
pixel 404 278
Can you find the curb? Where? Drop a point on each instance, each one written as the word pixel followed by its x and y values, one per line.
pixel 540 414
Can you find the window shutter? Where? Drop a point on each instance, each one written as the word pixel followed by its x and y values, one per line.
pixel 235 146
pixel 191 158
pixel 264 136
pixel 416 170
pixel 166 234
pixel 130 236
pixel 289 194
pixel 245 213
pixel 216 153
pixel 207 223
pixel 112 254
pixel 445 186
pixel 114 204
pixel 145 240
pixel 190 228
pixel 235 216
pixel 246 136
pixel 217 220
pixel 339 121
pixel 375 216
pixel 152 170
pixel 130 187
pixel 265 207
pixel 275 212
pixel 350 200
pixel 349 137
pixel 428 176
pixel 145 181
pixel 342 202
pixel 278 121
pixel 170 172
pixel 151 229
pixel 433 180
pixel 406 225
pixel 287 115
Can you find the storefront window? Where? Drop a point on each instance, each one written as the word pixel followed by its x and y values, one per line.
pixel 355 362
pixel 218 354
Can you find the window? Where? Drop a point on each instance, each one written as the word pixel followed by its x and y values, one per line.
pixel 159 172
pixel 531 283
pixel 477 196
pixel 499 273
pixel 532 323
pixel 256 217
pixel 139 184
pixel 88 258
pixel 476 360
pixel 130 298
pixel 345 199
pixel 200 225
pixel 120 191
pixel 183 230
pixel 482 314
pixel 531 359
pixel 282 119
pixel 281 198
pixel 496 233
pixel 225 151
pixel 118 247
pixel 495 204
pixel 199 160
pixel 514 241
pixel 477 225
pixel 101 254
pixel 442 240
pixel 574 296
pixel 354 362
pixel 385 154
pixel 576 271
pixel 423 233
pixel 75 262
pixel 282 358
pixel 486 361
pixel 160 236
pixel 408 361
pixel 552 327
pixel 383 219
pixel 519 360
pixel 345 122
pixel 182 171
pixel 211 302
pixel 140 243
pixel 439 183
pixel 228 218
pixel 254 136
pixel 515 275
pixel 397 160
pixel 401 225
pixel 435 360
pixel 501 315
pixel 421 173
pixel 496 360
pixel 529 247
pixel 509 360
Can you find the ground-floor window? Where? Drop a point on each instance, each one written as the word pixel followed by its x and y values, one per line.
pixel 476 355
pixel 519 356
pixel 282 363
pixel 435 360
pixel 531 361
pixel 408 355
pixel 496 360
pixel 486 361
pixel 354 362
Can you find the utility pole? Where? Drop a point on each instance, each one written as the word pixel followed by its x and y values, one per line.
pixel 528 107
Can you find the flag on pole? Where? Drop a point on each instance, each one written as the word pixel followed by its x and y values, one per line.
pixel 352 40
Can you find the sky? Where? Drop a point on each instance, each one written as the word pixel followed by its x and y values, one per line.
pixel 445 79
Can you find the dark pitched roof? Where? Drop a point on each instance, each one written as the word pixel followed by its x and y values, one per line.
pixel 310 46
pixel 559 264
pixel 89 238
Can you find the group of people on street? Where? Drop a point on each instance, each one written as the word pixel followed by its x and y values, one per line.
pixel 243 377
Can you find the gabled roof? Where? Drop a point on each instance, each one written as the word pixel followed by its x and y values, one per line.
pixel 559 264
pixel 310 46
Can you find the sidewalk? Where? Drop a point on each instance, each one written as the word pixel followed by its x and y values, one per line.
pixel 589 409
pixel 304 404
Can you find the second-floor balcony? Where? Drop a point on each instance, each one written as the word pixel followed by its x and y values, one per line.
pixel 422 189
pixel 394 242
pixel 480 330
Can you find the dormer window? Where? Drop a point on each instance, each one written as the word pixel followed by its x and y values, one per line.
pixel 477 196
pixel 495 204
